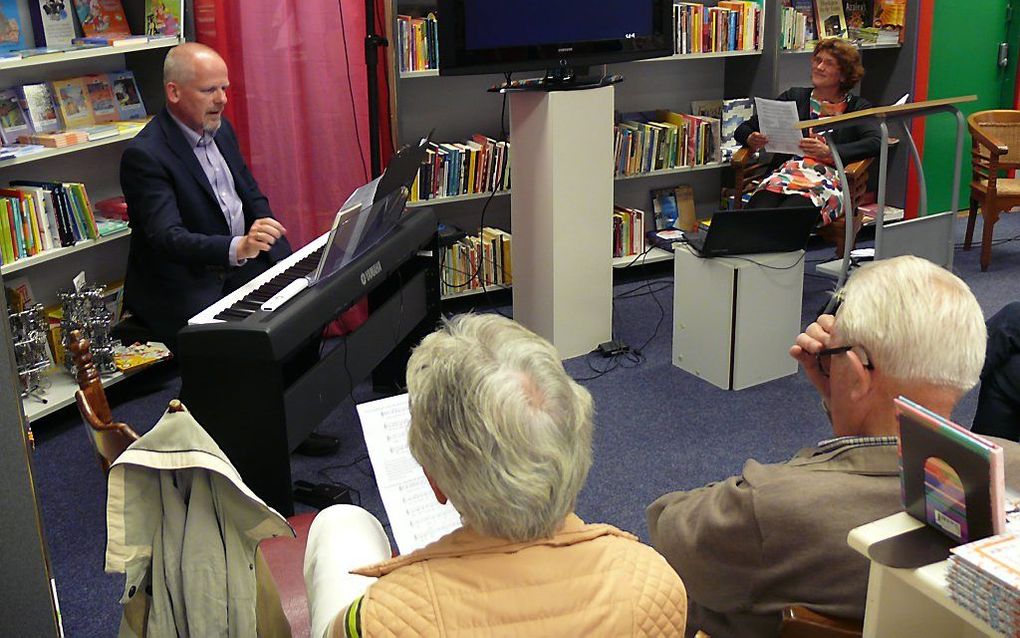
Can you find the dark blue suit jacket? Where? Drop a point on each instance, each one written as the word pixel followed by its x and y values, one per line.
pixel 179 256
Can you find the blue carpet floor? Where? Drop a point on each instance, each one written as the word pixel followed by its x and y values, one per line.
pixel 658 429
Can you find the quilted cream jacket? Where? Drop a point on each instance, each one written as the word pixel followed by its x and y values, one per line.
pixel 587 580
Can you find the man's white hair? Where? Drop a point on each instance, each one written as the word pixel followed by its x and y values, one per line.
pixel 918 322
pixel 499 425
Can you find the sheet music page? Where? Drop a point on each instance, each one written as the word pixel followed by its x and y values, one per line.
pixel 416 517
pixel 362 196
pixel 776 119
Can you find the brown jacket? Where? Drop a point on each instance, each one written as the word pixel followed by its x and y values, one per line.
pixel 587 580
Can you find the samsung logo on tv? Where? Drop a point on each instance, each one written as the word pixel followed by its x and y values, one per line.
pixel 565 50
pixel 370 273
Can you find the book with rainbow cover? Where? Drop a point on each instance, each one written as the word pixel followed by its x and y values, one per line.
pixel 950 478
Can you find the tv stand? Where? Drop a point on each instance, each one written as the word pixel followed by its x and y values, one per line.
pixel 559 79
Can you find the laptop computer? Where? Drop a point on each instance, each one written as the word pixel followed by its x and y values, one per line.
pixel 755 230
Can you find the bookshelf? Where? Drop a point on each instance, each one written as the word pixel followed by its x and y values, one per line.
pixel 96 164
pixel 457 107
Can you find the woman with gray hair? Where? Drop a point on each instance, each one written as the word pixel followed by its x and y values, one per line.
pixel 504 434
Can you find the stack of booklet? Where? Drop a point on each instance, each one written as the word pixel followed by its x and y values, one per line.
pixel 984 577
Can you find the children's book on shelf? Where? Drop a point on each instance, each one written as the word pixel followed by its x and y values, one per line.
pixel 102 18
pixel 891 19
pixel 40 107
pixel 100 95
pixel 126 95
pixel 11 36
pixel 807 9
pixel 830 19
pixel 859 13
pixel 664 208
pixel 12 117
pixel 52 23
pixel 73 102
pixel 162 17
pixel 707 108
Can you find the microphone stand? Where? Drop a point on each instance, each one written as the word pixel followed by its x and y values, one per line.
pixel 372 43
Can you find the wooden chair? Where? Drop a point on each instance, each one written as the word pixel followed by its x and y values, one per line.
pixel 801 622
pixel 284 556
pixel 994 151
pixel 749 169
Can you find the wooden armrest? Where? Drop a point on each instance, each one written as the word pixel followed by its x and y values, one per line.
pixel 742 155
pixel 860 167
pixel 980 138
pixel 801 622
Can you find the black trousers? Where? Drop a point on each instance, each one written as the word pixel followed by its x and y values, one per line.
pixel 768 199
pixel 998 410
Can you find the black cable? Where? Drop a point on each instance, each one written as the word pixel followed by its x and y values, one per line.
pixel 350 90
pixel 758 263
pixel 995 242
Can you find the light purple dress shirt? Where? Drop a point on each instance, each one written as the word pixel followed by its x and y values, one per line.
pixel 218 173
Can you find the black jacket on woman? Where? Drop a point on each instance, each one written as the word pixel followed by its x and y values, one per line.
pixel 854 141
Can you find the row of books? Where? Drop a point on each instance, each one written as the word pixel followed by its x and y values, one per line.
pixel 417 43
pixel 478 165
pixel 477 260
pixel 39 216
pixel 663 140
pixel 60 25
pixel 729 26
pixel 628 231
pixel 802 22
pixel 79 103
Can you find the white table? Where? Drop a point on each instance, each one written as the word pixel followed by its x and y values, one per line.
pixel 910 602
pixel 734 318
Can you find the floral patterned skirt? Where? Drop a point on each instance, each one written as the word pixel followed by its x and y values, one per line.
pixel 810 178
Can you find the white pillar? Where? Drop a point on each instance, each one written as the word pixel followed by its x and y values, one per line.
pixel 561 214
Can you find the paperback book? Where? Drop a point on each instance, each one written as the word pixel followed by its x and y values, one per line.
pixel 52 23
pixel 830 18
pixel 162 17
pixel 100 95
pixel 41 109
pixel 126 95
pixel 11 36
pixel 73 102
pixel 101 18
pixel 12 117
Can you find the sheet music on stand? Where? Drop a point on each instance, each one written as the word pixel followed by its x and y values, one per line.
pixel 416 517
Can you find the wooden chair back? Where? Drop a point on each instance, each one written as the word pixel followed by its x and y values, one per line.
pixel 108 438
pixel 994 156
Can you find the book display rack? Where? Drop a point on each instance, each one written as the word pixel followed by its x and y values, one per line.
pixel 93 163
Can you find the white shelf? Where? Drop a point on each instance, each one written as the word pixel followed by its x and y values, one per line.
pixel 74 148
pixel 426 73
pixel 475 291
pixel 60 392
pixel 698 56
pixel 654 255
pixel 862 47
pixel 82 54
pixel 455 198
pixel 672 171
pixel 57 253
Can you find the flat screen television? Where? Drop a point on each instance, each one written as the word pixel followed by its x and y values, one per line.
pixel 562 37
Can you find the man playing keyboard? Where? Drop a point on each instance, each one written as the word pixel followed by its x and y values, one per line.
pixel 200 226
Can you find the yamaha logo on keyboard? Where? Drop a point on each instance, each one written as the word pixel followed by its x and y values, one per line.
pixel 370 273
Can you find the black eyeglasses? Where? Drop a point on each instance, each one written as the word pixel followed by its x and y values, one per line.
pixel 824 356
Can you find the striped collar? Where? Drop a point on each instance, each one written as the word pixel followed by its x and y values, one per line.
pixel 831 445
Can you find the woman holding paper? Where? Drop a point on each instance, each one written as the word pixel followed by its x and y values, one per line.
pixel 505 435
pixel 835 69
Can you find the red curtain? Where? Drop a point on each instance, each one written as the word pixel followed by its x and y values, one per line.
pixel 298 100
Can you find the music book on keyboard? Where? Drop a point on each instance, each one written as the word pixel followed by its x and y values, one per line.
pixel 416 517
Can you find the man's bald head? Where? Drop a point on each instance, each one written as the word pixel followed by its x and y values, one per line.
pixel 179 65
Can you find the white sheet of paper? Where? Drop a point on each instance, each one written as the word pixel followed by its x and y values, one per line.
pixel 775 121
pixel 902 100
pixel 416 517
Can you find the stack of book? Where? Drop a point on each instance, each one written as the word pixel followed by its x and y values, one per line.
pixel 476 261
pixel 60 139
pixel 628 231
pixel 984 577
pixel 418 43
pixel 40 216
pixel 729 26
pixel 796 27
pixel 478 165
pixel 661 140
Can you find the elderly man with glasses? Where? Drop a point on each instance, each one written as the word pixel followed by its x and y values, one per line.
pixel 748 546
